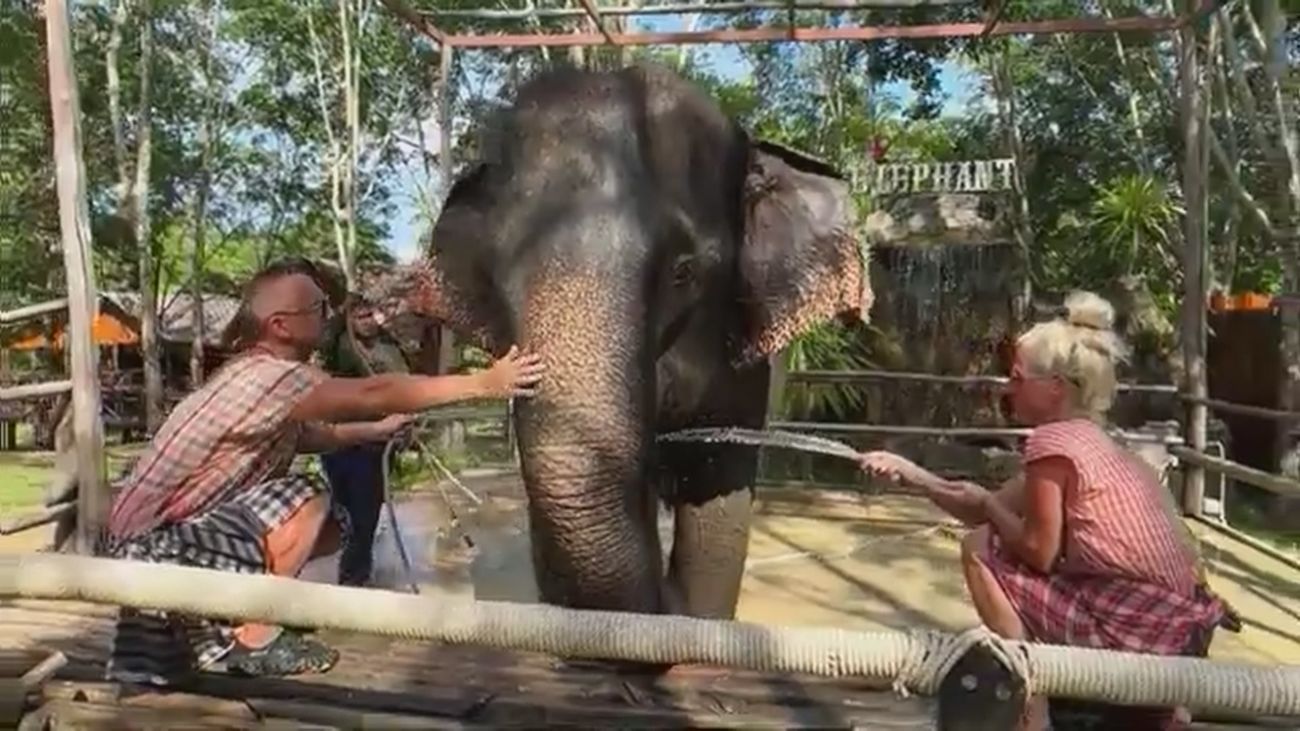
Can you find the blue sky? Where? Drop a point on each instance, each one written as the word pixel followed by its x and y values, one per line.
pixel 957 84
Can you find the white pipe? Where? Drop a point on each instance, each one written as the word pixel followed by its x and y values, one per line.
pixel 913 661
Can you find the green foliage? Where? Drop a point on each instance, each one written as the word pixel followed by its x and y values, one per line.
pixel 832 347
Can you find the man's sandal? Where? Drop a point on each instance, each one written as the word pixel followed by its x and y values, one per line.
pixel 288 654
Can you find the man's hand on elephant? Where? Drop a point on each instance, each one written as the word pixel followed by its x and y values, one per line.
pixel 515 374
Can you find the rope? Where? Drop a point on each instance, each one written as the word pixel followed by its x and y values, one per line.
pixel 914 662
pixel 925 668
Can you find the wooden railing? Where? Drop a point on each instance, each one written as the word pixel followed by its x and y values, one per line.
pixel 66 504
pixel 33 390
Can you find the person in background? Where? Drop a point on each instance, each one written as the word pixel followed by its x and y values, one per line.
pixel 1086 547
pixel 214 487
pixel 356 472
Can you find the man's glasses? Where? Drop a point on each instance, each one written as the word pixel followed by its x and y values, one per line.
pixel 321 308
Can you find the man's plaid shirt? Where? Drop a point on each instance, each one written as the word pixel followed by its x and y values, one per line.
pixel 231 434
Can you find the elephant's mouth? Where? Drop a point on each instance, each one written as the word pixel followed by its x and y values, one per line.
pixel 673 330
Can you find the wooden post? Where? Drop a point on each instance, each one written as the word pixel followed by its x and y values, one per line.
pixel 776 380
pixel 1193 258
pixel 74 225
pixel 450 434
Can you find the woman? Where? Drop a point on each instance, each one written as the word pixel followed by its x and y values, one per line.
pixel 1085 548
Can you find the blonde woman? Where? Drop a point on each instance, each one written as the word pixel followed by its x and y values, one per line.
pixel 1086 548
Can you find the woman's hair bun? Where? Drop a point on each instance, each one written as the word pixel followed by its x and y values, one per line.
pixel 1085 309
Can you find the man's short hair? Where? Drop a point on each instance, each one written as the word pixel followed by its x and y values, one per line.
pixel 244 328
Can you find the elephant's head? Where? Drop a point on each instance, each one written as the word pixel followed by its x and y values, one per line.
pixel 617 221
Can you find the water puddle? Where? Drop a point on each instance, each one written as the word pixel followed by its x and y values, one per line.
pixel 480 547
pixel 763 438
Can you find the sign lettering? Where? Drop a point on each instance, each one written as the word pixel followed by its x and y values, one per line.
pixel 964 176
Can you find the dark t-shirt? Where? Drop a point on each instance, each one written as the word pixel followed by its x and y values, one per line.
pixel 339 358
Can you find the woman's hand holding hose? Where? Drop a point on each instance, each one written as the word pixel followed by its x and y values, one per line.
pixel 964 500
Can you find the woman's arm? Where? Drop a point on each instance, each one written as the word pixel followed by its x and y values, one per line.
pixel 1035 537
pixel 1012 494
pixel 962 500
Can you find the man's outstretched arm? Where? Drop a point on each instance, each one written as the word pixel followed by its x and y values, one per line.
pixel 358 399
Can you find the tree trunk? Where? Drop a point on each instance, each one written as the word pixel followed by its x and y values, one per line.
pixel 351 104
pixel 335 151
pixel 120 13
pixel 149 346
pixel 198 253
pixel 1022 226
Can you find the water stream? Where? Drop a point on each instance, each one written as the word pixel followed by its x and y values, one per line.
pixel 763 438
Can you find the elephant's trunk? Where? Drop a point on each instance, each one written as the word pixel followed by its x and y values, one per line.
pixel 586 441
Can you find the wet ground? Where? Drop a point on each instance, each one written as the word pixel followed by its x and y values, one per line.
pixel 857 561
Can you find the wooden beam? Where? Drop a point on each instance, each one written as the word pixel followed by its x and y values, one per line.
pixel 1275 484
pixel 814 35
pixel 30 311
pixel 592 12
pixel 74 226
pixel 36 519
pixel 1193 315
pixel 34 390
pixel 1244 409
pixel 416 21
pixel 972 380
pixel 683 9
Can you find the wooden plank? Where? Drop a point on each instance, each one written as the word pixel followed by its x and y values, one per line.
pixel 60 714
pixel 74 225
pixel 1275 484
pixel 336 717
pixel 26 313
pixel 461 684
pixel 34 390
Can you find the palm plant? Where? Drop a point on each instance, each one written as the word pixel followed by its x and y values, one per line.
pixel 829 346
pixel 1132 216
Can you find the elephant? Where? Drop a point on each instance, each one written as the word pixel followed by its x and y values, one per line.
pixel 621 225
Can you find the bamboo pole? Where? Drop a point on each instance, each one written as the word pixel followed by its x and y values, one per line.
pixel 1275 484
pixel 971 380
pixel 30 311
pixel 74 225
pixel 34 390
pixel 449 434
pixel 1193 334
pixel 680 9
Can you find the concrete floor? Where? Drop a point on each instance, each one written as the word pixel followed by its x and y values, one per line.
pixel 815 558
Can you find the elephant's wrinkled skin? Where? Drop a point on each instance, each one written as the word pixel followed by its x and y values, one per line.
pixel 623 227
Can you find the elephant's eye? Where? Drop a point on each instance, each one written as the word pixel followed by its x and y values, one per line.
pixel 683 271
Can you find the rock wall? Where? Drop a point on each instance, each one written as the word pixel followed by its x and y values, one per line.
pixel 946 278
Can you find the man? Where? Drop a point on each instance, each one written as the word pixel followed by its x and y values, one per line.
pixel 214 490
pixel 356 472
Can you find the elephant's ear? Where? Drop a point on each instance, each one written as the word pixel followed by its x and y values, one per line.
pixel 446 285
pixel 800 263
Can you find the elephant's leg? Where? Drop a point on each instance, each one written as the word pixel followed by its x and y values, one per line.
pixel 710 543
pixel 711 490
